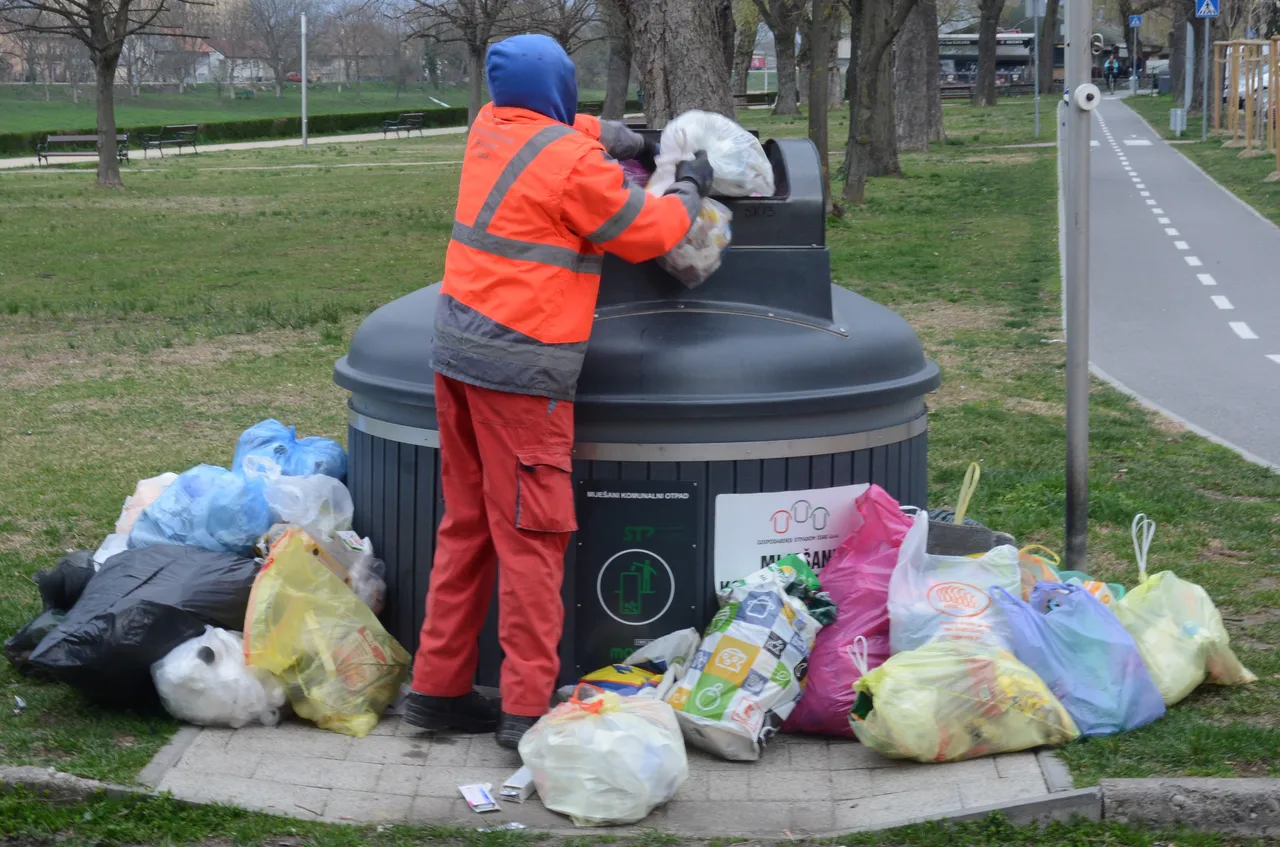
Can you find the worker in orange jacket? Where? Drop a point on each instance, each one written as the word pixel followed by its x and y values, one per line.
pixel 542 198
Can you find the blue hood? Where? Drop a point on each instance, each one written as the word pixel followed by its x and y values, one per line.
pixel 533 72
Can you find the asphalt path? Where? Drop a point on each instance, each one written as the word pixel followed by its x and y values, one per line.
pixel 1185 288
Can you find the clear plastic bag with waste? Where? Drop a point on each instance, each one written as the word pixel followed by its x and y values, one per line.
pixel 741 167
pixel 146 492
pixel 699 254
pixel 348 556
pixel 205 681
pixel 321 504
pixel 606 760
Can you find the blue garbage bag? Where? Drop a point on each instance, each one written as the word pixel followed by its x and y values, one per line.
pixel 206 507
pixel 280 444
pixel 1084 655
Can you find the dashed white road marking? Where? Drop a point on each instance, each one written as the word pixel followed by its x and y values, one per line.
pixel 1181 245
pixel 1241 329
pixel 1157 211
pixel 1165 221
pixel 1095 144
pixel 1140 185
pixel 1151 203
pixel 1221 302
pixel 1144 193
pixel 1275 357
pixel 1138 142
pixel 1206 279
pixel 1194 262
pixel 1170 230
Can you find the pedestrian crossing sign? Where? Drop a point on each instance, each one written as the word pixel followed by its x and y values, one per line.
pixel 1135 21
pixel 1207 8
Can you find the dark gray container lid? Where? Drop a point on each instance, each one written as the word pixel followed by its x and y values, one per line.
pixel 766 349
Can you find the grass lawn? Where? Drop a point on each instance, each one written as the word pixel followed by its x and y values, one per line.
pixel 23 107
pixel 35 822
pixel 1245 177
pixel 141 331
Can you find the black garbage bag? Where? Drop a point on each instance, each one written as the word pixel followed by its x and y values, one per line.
pixel 18 647
pixel 62 586
pixel 141 605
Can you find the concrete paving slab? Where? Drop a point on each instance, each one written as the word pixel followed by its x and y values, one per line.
pixel 801 786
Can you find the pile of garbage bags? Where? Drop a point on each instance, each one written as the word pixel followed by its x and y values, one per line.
pixel 226 596
pixel 933 656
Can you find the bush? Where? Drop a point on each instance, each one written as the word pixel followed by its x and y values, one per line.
pixel 24 143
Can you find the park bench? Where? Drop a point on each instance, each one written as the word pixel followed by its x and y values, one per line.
pixel 46 152
pixel 406 122
pixel 180 135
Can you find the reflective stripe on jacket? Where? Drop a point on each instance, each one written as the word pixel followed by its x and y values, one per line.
pixel 538 205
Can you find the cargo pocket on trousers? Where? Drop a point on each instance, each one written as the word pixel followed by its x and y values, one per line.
pixel 544 492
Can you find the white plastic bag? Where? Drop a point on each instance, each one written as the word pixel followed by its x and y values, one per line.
pixel 609 760
pixel 948 597
pixel 698 254
pixel 741 166
pixel 146 492
pixel 318 503
pixel 205 681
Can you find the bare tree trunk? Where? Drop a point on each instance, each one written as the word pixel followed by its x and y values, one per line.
pixel 108 164
pixel 728 29
pixel 748 28
pixel 1178 52
pixel 784 47
pixel 872 143
pixel 619 78
pixel 475 81
pixel 911 73
pixel 822 19
pixel 679 56
pixel 357 67
pixel 984 87
pixel 835 79
pixel 1048 39
pixel 803 63
pixel 1197 78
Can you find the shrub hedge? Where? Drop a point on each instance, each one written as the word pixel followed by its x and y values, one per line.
pixel 24 143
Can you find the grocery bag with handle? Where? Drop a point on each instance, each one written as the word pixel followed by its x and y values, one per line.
pixel 857 579
pixel 339 667
pixel 606 759
pixel 952 700
pixel 1086 658
pixel 750 668
pixel 1178 630
pixel 948 597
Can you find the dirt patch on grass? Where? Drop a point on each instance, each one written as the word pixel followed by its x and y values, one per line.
pixel 1003 158
pixel 1026 406
pixel 1166 425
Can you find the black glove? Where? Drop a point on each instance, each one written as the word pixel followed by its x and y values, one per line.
pixel 648 153
pixel 698 171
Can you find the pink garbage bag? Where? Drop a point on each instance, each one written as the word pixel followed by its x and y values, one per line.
pixel 857 578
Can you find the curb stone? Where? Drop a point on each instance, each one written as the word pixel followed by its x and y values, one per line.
pixel 1249 807
pixel 1057 777
pixel 170 754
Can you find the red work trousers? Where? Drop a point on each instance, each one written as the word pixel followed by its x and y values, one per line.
pixel 505 470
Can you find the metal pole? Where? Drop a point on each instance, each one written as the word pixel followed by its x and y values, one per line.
pixel 1076 207
pixel 304 79
pixel 1036 52
pixel 1204 91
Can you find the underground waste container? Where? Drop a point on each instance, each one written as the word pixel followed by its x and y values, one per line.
pixel 718 429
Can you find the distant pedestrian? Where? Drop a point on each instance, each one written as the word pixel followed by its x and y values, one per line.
pixel 1111 70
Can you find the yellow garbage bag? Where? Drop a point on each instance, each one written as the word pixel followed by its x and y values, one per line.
pixel 952 700
pixel 339 667
pixel 1178 630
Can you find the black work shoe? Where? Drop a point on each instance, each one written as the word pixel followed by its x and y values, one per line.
pixel 512 728
pixel 471 713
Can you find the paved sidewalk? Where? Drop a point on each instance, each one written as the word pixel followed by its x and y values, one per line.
pixel 30 161
pixel 801 786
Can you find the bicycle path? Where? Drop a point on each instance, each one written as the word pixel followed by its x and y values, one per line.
pixel 1185 293
pixel 27 162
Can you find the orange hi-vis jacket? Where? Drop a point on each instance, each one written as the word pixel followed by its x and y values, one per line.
pixel 539 204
